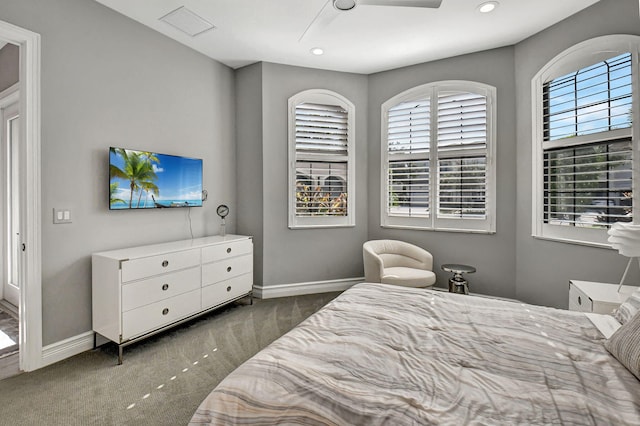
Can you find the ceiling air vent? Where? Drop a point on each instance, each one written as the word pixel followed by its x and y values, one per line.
pixel 187 21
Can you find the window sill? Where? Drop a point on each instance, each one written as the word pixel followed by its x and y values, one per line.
pixel 294 227
pixel 421 228
pixel 574 242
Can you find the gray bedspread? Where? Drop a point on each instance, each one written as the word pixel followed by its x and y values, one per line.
pixel 381 354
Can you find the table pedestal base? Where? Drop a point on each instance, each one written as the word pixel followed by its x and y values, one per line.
pixel 457 284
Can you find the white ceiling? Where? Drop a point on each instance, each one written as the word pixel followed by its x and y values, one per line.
pixel 364 40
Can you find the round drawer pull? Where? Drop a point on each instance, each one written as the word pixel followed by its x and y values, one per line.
pixel 229 288
pixel 229 250
pixel 165 287
pixel 228 268
pixel 165 263
pixel 165 311
pixel 579 300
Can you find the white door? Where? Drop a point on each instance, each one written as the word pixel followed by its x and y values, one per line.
pixel 10 203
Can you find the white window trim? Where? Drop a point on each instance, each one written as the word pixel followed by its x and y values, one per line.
pixel 326 97
pixel 431 222
pixel 574 58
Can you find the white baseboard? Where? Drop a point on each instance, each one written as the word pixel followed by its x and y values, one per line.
pixel 67 348
pixel 298 289
pixel 9 308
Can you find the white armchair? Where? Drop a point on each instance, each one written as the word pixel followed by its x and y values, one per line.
pixel 398 263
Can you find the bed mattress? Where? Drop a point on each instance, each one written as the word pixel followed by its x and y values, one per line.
pixel 381 354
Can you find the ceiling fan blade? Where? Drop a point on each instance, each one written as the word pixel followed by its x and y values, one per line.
pixel 327 14
pixel 402 3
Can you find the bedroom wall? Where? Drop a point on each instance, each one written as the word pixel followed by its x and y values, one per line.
pixel 492 255
pixel 9 66
pixel 301 255
pixel 249 132
pixel 107 80
pixel 544 268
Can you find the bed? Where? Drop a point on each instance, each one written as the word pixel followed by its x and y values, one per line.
pixel 381 354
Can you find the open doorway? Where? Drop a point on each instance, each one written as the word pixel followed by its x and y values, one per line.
pixel 10 256
pixel 26 197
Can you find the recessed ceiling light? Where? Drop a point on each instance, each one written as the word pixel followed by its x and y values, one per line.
pixel 344 4
pixel 317 51
pixel 488 6
pixel 187 21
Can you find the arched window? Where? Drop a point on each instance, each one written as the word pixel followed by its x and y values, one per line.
pixel 583 140
pixel 321 160
pixel 438 157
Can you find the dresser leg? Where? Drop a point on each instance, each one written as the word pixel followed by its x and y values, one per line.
pixel 120 348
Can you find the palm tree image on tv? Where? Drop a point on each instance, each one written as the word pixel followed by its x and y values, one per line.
pixel 113 188
pixel 143 179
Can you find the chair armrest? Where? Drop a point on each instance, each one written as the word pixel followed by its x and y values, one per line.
pixel 373 268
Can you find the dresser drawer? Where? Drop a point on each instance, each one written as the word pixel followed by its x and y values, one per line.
pixel 150 317
pixel 160 287
pixel 225 251
pixel 229 268
pixel 226 290
pixel 155 265
pixel 578 300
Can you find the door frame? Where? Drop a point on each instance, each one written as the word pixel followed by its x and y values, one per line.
pixel 30 309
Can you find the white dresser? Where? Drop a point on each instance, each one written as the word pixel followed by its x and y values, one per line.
pixel 599 298
pixel 139 291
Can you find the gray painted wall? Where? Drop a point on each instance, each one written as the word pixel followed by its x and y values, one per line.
pixel 107 80
pixel 492 255
pixel 544 268
pixel 9 66
pixel 249 168
pixel 301 255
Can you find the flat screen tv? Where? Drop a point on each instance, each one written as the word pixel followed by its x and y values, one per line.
pixel 149 180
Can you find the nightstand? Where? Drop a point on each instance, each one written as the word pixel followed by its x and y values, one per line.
pixel 600 298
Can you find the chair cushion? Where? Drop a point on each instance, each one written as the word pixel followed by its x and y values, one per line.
pixel 408 277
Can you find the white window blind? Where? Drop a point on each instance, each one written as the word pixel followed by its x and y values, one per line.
pixel 454 193
pixel 588 185
pixel 462 189
pixel 592 100
pixel 321 130
pixel 462 143
pixel 462 121
pixel 321 160
pixel 587 145
pixel 408 152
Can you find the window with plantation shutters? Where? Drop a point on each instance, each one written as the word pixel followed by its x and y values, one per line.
pixel 584 140
pixel 462 155
pixel 320 154
pixel 438 165
pixel 408 158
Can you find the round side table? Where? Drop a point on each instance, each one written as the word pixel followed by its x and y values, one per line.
pixel 457 284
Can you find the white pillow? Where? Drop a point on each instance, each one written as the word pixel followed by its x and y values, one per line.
pixel 629 307
pixel 624 344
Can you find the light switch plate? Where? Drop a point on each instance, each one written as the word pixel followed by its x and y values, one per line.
pixel 61 216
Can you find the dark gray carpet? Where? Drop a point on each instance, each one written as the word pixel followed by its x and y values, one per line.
pixel 162 380
pixel 9 326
